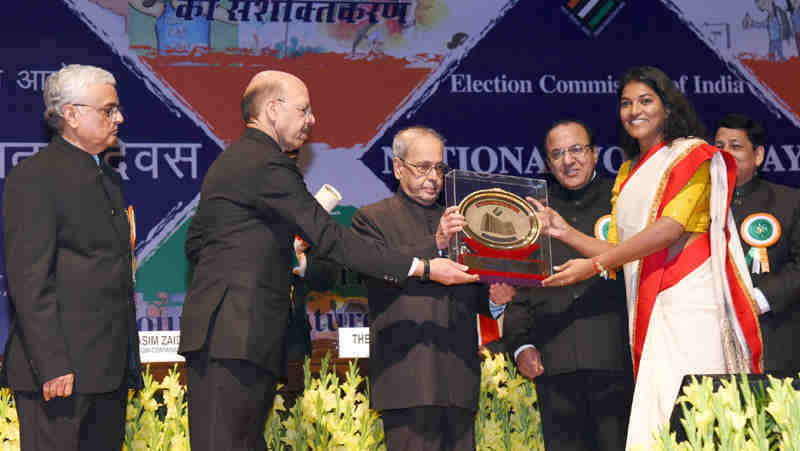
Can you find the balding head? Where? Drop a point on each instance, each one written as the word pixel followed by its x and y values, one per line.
pixel 265 85
pixel 403 140
pixel 278 103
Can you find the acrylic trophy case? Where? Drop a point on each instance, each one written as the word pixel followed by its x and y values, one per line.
pixel 502 239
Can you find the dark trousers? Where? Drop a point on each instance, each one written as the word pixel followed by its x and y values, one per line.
pixel 585 410
pixel 229 401
pixel 780 332
pixel 83 421
pixel 429 428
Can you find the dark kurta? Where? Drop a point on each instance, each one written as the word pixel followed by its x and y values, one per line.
pixel 781 285
pixel 68 261
pixel 590 333
pixel 423 335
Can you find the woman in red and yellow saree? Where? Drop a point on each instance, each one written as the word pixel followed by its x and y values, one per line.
pixel 690 306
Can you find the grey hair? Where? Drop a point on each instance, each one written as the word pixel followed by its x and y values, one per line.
pixel 402 139
pixel 67 86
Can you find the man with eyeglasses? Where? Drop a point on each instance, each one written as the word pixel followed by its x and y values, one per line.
pixel 252 204
pixel 73 350
pixel 424 368
pixel 769 220
pixel 573 340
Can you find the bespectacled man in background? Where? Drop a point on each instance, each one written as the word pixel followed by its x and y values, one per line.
pixel 73 350
pixel 573 340
pixel 769 220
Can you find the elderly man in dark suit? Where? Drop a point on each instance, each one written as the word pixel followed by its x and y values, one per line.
pixel 252 203
pixel 769 216
pixel 424 366
pixel 573 340
pixel 72 351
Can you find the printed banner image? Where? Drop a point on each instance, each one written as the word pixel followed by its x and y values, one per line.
pixel 190 46
pixel 761 38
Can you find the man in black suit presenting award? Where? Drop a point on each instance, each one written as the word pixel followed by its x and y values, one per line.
pixel 72 351
pixel 253 202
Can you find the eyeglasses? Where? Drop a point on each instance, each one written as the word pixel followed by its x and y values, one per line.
pixel 575 151
pixel 109 111
pixel 423 169
pixel 307 110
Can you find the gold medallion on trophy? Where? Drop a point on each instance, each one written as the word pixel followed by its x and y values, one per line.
pixel 499 219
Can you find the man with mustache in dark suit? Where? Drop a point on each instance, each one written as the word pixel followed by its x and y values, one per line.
pixel 73 350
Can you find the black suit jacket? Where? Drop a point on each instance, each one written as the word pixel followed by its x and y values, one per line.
pixel 68 261
pixel 781 285
pixel 581 326
pixel 423 335
pixel 252 203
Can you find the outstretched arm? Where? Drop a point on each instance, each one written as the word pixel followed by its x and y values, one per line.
pixel 666 231
pixel 555 226
pixel 655 237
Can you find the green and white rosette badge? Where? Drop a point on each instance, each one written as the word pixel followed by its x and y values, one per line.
pixel 601 227
pixel 601 233
pixel 760 231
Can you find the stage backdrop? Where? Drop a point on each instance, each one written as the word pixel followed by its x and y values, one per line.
pixel 491 75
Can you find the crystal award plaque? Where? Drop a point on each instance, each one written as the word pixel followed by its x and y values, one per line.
pixel 501 240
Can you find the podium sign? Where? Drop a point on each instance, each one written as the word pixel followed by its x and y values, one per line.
pixel 159 346
pixel 502 240
pixel 353 342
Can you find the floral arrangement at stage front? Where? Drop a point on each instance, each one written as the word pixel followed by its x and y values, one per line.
pixel 330 414
pixel 157 417
pixel 735 418
pixel 9 422
pixel 333 414
pixel 508 417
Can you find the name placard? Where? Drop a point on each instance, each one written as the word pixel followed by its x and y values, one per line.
pixel 353 342
pixel 159 346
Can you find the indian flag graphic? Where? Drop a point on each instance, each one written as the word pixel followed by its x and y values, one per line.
pixel 593 15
